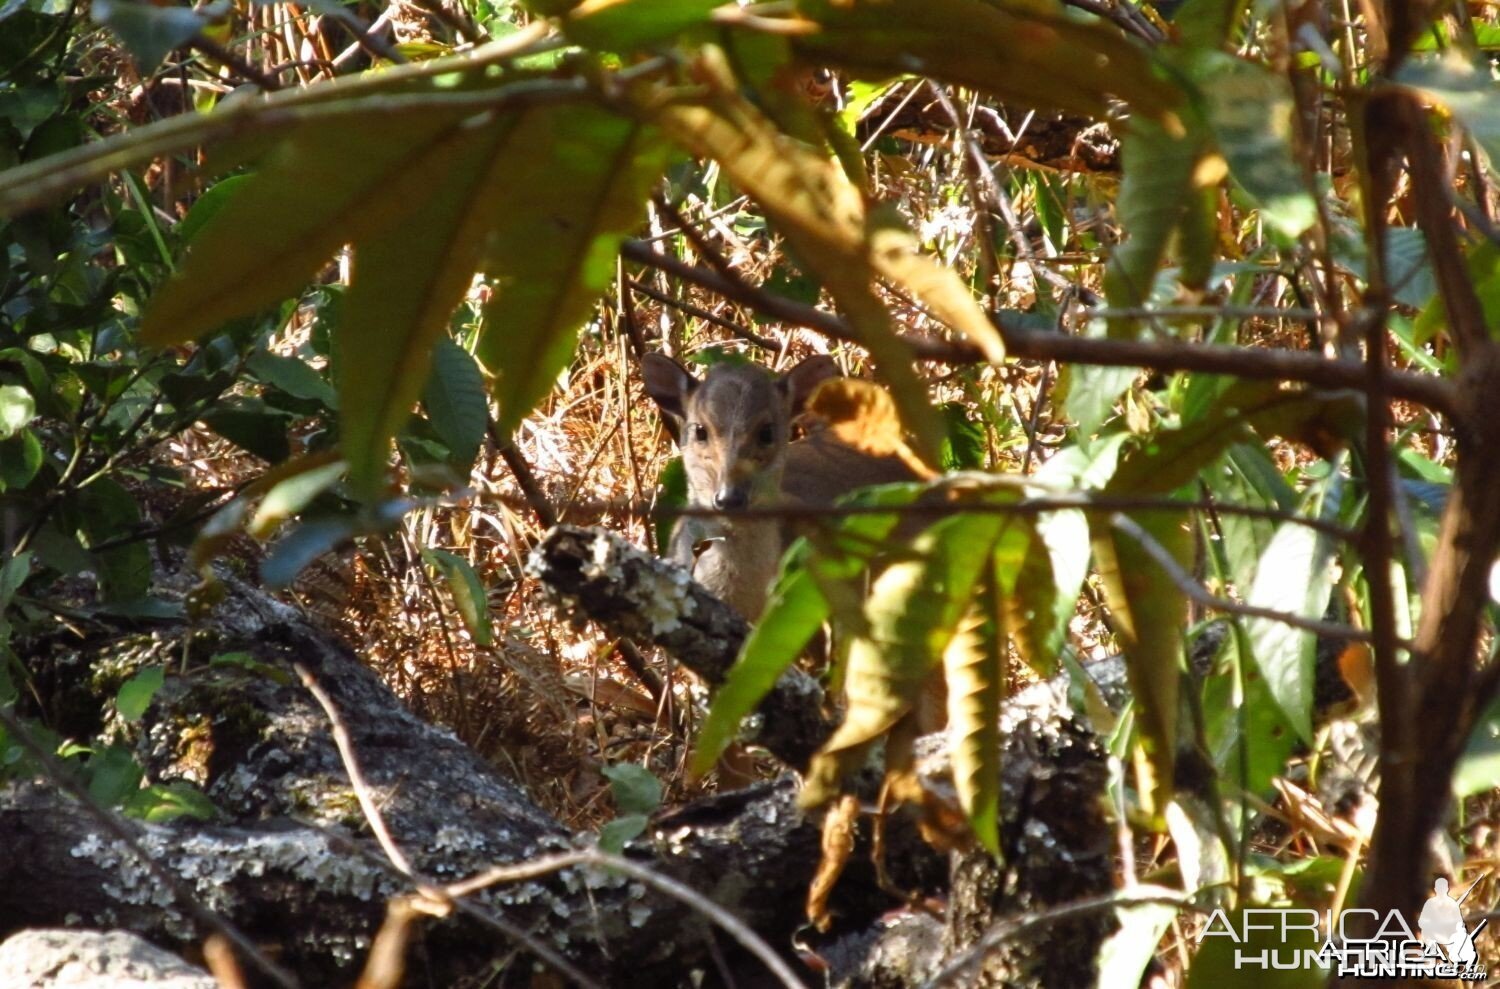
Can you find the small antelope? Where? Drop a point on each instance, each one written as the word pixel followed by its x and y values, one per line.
pixel 736 447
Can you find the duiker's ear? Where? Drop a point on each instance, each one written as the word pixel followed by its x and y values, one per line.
pixel 667 382
pixel 799 382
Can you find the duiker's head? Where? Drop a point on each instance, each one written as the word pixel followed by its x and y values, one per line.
pixel 735 424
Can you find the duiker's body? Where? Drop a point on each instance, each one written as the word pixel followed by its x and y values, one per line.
pixel 736 449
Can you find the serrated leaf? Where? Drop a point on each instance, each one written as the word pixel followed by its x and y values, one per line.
pixel 972 667
pixel 1148 613
pixel 467 591
pixel 136 693
pixel 911 615
pixel 635 789
pixel 455 400
pixel 616 834
pixel 795 610
pixel 581 175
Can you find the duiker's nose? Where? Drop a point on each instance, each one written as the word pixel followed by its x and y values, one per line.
pixel 728 498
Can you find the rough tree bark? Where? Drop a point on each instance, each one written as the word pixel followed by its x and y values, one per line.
pixel 290 862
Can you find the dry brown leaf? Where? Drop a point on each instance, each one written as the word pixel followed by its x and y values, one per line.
pixel 861 414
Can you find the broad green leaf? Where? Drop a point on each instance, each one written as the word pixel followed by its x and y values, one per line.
pixel 300 547
pixel 576 183
pixel 795 611
pixel 455 399
pixel 964 446
pixel 151 31
pixel 323 186
pixel 252 425
pixel 1248 736
pixel 1229 937
pixel 1159 182
pixel 1207 24
pixel 635 789
pixel 136 693
pixel 160 803
pixel 291 495
pixel 13 573
pixel 1092 390
pixel 292 376
pixel 407 281
pixel 616 834
pixel 113 775
pixel 17 409
pixel 1173 457
pixel 106 510
pixel 1247 476
pixel 1124 955
pixel 974 670
pixel 629 25
pixel 1293 576
pixel 1250 113
pixel 1051 62
pixel 467 590
pixel 910 616
pixel 213 199
pixel 1148 613
pixel 1466 89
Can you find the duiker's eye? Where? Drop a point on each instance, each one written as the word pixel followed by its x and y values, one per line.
pixel 767 435
pixel 700 432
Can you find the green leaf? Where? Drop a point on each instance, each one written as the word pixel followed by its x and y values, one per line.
pixel 408 279
pixel 208 204
pixel 251 425
pixel 467 590
pixel 292 495
pixel 1216 964
pixel 911 616
pixel 113 775
pixel 20 460
pixel 1468 91
pixel 964 446
pixel 581 175
pixel 1250 113
pixel 796 609
pixel 1124 955
pixel 1050 61
pixel 300 547
pixel 1148 613
pixel 326 184
pixel 136 693
pixel 974 672
pixel 292 376
pixel 1154 195
pixel 149 31
pixel 17 409
pixel 629 25
pixel 455 400
pixel 106 510
pixel 616 834
pixel 635 789
pixel 671 492
pixel 1293 576
pixel 160 803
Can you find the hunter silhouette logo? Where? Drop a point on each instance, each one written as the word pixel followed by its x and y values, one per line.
pixel 1444 949
pixel 1442 923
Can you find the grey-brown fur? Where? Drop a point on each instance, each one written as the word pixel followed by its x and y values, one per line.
pixel 735 430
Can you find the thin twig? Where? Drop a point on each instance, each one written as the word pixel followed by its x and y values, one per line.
pixel 735 927
pixel 1187 585
pixel 112 823
pixel 425 886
